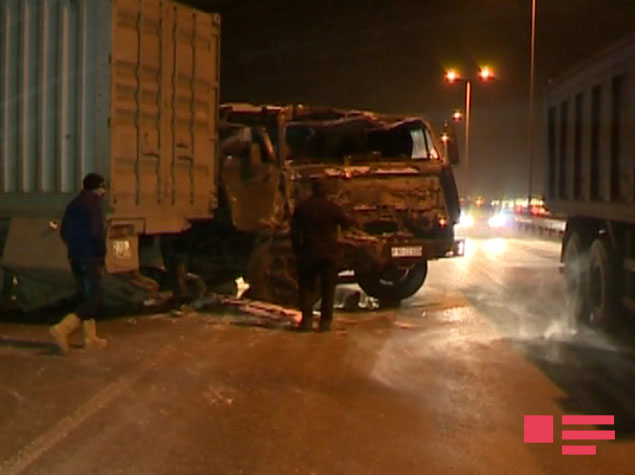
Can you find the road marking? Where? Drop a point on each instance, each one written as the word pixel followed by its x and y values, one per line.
pixel 18 462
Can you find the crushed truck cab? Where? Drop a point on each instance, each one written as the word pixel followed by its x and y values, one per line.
pixel 390 174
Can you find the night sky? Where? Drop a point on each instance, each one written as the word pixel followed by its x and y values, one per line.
pixel 391 56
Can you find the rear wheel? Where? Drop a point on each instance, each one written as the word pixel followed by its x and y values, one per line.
pixel 393 283
pixel 576 264
pixel 601 283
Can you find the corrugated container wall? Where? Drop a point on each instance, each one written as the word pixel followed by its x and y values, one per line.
pixel 591 137
pixel 126 88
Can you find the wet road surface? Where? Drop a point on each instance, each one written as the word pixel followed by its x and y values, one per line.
pixel 439 385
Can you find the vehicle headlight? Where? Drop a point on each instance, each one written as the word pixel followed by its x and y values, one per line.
pixel 497 221
pixel 465 221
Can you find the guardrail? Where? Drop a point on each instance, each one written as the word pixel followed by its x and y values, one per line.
pixel 551 227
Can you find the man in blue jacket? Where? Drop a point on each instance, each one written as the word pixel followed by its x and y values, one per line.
pixel 83 232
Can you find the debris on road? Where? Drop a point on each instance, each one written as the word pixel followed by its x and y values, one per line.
pixel 256 308
pixel 404 325
pixel 346 299
pixel 352 300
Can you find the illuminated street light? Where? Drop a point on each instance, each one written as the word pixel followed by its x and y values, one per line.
pixel 457 116
pixel 485 73
pixel 451 76
pixel 445 138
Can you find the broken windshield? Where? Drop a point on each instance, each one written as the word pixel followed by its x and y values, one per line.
pixel 359 138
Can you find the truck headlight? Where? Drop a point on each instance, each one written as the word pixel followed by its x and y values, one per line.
pixel 497 221
pixel 465 221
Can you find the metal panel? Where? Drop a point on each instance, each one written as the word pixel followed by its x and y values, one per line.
pixel 606 133
pixel 163 118
pixel 10 95
pixel 47 100
pixel 605 141
pixel 195 82
pixel 127 90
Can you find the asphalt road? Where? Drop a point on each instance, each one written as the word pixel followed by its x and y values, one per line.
pixel 440 385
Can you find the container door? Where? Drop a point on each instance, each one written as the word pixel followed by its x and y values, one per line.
pixel 165 86
pixel 192 62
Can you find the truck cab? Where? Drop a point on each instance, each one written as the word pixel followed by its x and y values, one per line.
pixel 392 174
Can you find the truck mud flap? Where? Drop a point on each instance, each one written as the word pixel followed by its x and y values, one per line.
pixel 458 248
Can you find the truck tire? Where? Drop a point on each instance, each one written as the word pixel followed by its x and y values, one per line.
pixel 272 275
pixel 393 283
pixel 576 264
pixel 601 283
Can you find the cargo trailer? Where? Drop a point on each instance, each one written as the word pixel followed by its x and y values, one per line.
pixel 125 88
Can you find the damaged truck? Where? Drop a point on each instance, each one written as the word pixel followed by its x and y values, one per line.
pixel 129 89
pixel 391 174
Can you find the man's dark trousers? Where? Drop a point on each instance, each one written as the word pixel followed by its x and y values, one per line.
pixel 310 269
pixel 88 272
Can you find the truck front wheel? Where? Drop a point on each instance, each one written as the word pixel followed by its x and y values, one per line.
pixel 601 283
pixel 393 283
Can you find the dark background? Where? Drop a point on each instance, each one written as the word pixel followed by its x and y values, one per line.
pixel 391 56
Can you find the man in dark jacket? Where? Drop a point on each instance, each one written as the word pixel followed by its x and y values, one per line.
pixel 83 232
pixel 314 229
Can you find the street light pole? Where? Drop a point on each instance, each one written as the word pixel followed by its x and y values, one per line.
pixel 530 131
pixel 484 74
pixel 468 102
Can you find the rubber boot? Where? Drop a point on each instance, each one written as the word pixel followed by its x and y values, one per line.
pixel 306 324
pixel 325 325
pixel 65 327
pixel 91 340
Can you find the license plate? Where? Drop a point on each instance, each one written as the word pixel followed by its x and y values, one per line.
pixel 407 251
pixel 122 249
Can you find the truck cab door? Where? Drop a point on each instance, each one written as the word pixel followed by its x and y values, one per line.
pixel 251 179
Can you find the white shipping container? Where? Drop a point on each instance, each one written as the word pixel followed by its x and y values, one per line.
pixel 125 88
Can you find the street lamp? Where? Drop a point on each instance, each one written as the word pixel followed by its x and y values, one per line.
pixel 485 73
pixel 457 116
pixel 530 127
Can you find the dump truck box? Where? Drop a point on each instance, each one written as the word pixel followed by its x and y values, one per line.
pixel 125 88
pixel 590 153
pixel 590 160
